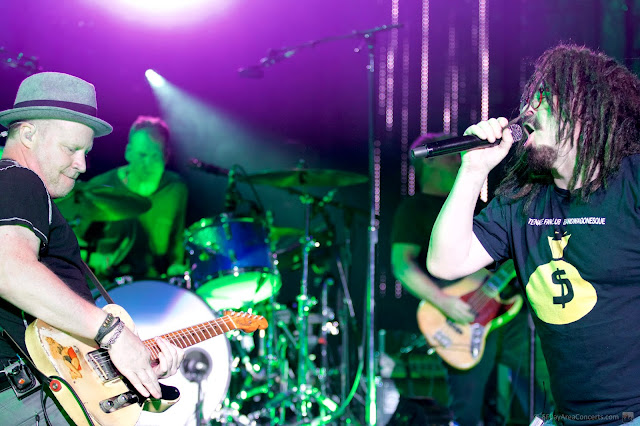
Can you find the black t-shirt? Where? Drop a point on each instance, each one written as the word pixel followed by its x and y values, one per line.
pixel 580 267
pixel 24 201
pixel 413 222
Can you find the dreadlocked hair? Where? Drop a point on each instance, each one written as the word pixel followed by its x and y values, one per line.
pixel 596 103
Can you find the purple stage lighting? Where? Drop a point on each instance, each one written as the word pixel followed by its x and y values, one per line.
pixel 163 12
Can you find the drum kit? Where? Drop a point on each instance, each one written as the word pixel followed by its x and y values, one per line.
pixel 280 376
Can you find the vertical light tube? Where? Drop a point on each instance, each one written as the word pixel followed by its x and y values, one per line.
pixel 391 59
pixel 448 82
pixel 424 68
pixel 483 54
pixel 407 175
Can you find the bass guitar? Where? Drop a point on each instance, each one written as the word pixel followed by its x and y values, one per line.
pixel 107 397
pixel 462 345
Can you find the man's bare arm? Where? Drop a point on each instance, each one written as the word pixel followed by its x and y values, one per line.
pixel 454 250
pixel 28 284
pixel 406 269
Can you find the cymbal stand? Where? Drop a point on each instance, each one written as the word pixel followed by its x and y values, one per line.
pixel 324 333
pixel 274 350
pixel 304 394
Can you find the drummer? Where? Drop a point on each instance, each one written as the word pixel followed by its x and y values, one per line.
pixel 151 244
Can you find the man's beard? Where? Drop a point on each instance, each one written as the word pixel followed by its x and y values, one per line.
pixel 540 160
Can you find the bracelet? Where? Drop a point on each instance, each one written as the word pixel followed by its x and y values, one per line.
pixel 107 326
pixel 115 336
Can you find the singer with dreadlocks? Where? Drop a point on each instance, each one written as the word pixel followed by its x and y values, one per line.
pixel 568 214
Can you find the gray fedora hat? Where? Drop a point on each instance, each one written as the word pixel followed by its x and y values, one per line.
pixel 54 95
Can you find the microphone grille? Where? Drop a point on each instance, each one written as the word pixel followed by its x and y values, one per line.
pixel 517 131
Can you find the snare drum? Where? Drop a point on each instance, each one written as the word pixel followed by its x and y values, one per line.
pixel 231 261
pixel 158 308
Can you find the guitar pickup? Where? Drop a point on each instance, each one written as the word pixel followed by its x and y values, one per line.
pixel 454 326
pixel 119 401
pixel 442 339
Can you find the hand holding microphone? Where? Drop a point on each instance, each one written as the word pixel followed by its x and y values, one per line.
pixel 481 135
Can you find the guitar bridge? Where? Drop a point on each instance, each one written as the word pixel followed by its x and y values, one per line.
pixel 442 339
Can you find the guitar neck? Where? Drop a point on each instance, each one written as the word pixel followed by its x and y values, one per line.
pixel 500 279
pixel 191 335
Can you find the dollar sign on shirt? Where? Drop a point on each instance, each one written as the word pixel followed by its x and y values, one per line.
pixel 564 298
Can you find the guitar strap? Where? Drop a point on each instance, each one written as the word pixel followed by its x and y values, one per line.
pixel 41 377
pixel 96 283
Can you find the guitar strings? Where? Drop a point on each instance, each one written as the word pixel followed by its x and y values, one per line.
pixel 176 337
pixel 479 300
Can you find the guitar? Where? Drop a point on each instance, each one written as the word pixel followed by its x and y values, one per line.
pixel 106 395
pixel 462 345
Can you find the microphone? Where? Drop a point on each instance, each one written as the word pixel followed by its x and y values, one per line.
pixel 193 365
pixel 208 167
pixel 461 143
pixel 196 365
pixel 273 57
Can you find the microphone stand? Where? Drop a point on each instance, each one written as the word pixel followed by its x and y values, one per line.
pixel 278 55
pixel 230 193
pixel 275 56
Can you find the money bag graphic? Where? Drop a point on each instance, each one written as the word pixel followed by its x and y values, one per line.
pixel 557 292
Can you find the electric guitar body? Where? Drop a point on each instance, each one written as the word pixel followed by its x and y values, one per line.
pixel 462 345
pixel 105 394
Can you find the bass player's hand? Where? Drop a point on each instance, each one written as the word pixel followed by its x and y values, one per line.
pixel 455 309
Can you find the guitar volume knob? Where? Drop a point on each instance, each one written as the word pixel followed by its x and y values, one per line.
pixel 106 405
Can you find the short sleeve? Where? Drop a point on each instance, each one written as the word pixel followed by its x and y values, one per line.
pixel 24 200
pixel 491 227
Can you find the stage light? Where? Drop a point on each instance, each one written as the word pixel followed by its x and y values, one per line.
pixel 163 12
pixel 154 79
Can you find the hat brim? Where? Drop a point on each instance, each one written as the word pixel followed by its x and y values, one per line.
pixel 100 127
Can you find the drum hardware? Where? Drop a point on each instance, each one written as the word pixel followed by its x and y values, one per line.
pixel 303 177
pixel 299 397
pixel 286 390
pixel 296 393
pixel 231 261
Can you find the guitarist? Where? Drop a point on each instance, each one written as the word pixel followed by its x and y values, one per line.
pixel 472 393
pixel 51 130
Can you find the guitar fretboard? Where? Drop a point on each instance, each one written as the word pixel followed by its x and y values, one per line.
pixel 192 335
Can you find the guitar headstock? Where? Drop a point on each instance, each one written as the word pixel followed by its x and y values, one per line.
pixel 247 322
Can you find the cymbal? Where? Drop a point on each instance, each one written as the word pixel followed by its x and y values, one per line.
pixel 277 233
pixel 101 203
pixel 306 177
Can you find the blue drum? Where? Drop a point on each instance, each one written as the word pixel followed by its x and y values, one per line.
pixel 231 261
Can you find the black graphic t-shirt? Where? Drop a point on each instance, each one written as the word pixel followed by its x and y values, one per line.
pixel 580 267
pixel 24 201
